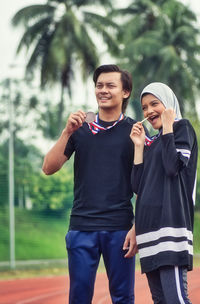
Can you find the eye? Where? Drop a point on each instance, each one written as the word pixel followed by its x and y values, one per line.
pixel 99 86
pixel 155 103
pixel 111 86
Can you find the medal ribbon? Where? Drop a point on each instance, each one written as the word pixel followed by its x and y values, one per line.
pixel 95 127
pixel 150 140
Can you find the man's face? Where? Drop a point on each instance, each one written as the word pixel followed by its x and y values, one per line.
pixel 109 92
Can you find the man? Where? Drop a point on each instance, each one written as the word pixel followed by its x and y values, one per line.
pixel 101 221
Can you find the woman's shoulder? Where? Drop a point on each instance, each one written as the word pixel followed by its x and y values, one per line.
pixel 183 126
pixel 182 123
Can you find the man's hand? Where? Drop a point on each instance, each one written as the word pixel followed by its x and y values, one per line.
pixel 130 243
pixel 75 121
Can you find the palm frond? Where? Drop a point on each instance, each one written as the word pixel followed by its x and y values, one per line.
pixel 31 13
pixel 96 19
pixel 33 32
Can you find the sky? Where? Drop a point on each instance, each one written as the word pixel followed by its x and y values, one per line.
pixel 10 36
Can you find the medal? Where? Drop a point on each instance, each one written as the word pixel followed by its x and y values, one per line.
pixel 90 117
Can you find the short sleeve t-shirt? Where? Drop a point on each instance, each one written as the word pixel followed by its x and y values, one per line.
pixel 102 178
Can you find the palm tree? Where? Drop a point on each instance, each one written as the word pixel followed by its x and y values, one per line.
pixel 161 44
pixel 59 34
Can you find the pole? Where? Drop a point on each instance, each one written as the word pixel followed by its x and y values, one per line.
pixel 11 179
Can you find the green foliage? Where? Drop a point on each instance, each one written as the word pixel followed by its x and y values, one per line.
pixel 196 125
pixel 3 176
pixel 24 170
pixel 53 192
pixel 196 232
pixel 160 42
pixel 45 192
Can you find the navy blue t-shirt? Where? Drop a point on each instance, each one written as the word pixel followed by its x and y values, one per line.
pixel 102 178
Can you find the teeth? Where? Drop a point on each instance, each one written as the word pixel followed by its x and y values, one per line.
pixel 152 117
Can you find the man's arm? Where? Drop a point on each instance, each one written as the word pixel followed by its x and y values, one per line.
pixel 55 158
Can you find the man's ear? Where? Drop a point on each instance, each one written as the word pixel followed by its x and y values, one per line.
pixel 126 94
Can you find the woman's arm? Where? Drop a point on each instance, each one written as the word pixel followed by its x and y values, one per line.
pixel 177 146
pixel 138 137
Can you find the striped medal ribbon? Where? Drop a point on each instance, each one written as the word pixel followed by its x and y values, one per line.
pixel 95 127
pixel 150 140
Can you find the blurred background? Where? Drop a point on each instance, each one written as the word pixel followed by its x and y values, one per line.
pixel 49 50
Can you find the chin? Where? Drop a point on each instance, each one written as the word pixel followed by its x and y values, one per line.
pixel 158 127
pixel 104 106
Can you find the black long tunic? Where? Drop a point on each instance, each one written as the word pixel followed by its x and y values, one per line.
pixel 165 184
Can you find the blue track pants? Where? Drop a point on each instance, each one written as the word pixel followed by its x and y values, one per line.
pixel 84 252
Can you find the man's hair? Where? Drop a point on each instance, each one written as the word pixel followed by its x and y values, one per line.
pixel 126 79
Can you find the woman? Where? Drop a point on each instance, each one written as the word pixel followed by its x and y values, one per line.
pixel 163 177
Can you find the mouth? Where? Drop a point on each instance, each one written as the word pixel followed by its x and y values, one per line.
pixel 153 118
pixel 104 98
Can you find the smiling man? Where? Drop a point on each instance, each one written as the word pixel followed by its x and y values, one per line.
pixel 101 221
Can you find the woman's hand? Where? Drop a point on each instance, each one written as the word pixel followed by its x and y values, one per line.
pixel 138 134
pixel 168 117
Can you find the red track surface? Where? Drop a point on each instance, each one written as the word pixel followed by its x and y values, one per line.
pixel 54 290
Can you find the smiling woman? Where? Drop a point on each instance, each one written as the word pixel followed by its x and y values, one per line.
pixel 164 179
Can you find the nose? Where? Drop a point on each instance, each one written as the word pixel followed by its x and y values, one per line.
pixel 104 89
pixel 149 111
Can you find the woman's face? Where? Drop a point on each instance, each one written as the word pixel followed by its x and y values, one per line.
pixel 152 108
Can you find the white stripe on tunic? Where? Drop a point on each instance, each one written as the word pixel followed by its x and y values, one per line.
pixel 164 232
pixel 165 246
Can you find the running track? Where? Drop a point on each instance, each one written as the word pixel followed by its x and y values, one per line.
pixel 53 290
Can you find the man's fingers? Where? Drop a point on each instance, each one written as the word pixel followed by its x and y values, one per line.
pixel 77 118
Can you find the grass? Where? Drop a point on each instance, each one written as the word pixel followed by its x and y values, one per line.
pixel 37 236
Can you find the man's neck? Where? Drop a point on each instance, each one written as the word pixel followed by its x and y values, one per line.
pixel 109 115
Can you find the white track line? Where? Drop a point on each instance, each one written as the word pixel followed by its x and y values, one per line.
pixel 47 295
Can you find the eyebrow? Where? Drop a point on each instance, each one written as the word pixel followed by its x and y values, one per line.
pixel 151 101
pixel 109 82
pixel 155 100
